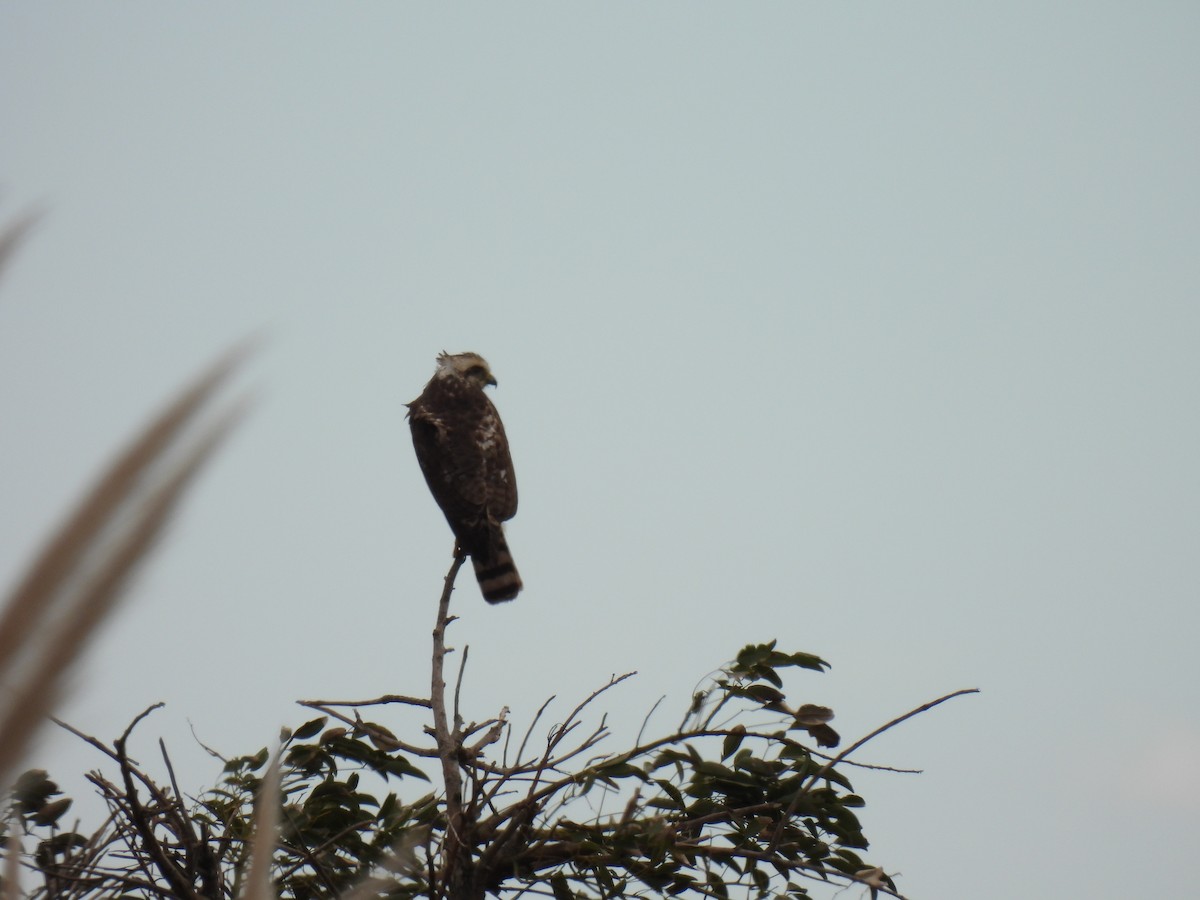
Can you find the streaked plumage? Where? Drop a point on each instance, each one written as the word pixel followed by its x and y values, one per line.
pixel 463 452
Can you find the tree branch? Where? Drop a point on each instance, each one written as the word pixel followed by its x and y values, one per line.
pixel 456 872
pixel 167 867
pixel 881 729
pixel 378 701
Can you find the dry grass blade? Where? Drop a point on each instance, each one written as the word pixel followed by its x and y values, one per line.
pixel 400 861
pixel 82 572
pixel 10 888
pixel 59 561
pixel 11 236
pixel 258 884
pixel 37 691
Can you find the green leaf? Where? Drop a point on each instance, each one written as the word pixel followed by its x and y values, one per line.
pixel 671 791
pixel 670 756
pixel 717 885
pixel 401 767
pixel 732 741
pixel 767 674
pixel 764 768
pixel 803 661
pixel 32 790
pixel 848 820
pixel 762 880
pixel 310 758
pixel 764 694
pixel 329 789
pixel 620 769
pixel 681 882
pixel 388 805
pixel 713 770
pixel 59 844
pixel 381 737
pixel 52 811
pixel 837 777
pixel 334 734
pixel 852 859
pixel 604 877
pixel 754 654
pixel 310 728
pixel 812 714
pixel 562 891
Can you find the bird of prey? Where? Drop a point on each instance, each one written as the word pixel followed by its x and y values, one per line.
pixel 463 453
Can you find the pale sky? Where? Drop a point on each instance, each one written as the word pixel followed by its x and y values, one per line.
pixel 870 328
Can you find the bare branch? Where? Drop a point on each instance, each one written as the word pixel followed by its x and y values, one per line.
pixel 378 701
pixel 925 707
pixel 529 731
pixel 183 817
pixel 646 719
pixel 457 854
pixel 458 682
pixel 138 818
pixel 493 734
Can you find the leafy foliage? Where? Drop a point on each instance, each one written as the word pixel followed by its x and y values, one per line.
pixel 733 800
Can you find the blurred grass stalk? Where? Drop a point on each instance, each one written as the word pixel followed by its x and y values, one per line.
pixel 258 884
pixel 87 564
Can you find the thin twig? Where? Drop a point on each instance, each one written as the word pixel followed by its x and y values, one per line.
pixel 87 738
pixel 646 718
pixel 505 775
pixel 805 787
pixel 925 707
pixel 529 731
pixel 184 817
pixel 378 701
pixel 458 683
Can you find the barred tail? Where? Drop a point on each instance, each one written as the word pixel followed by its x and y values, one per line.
pixel 495 572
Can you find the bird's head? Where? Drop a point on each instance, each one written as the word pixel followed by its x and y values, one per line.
pixel 469 366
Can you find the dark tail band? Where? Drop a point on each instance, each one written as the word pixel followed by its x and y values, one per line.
pixel 496 574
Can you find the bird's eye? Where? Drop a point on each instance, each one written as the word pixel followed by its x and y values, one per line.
pixel 477 372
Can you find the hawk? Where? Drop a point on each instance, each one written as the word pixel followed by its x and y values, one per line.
pixel 463 453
